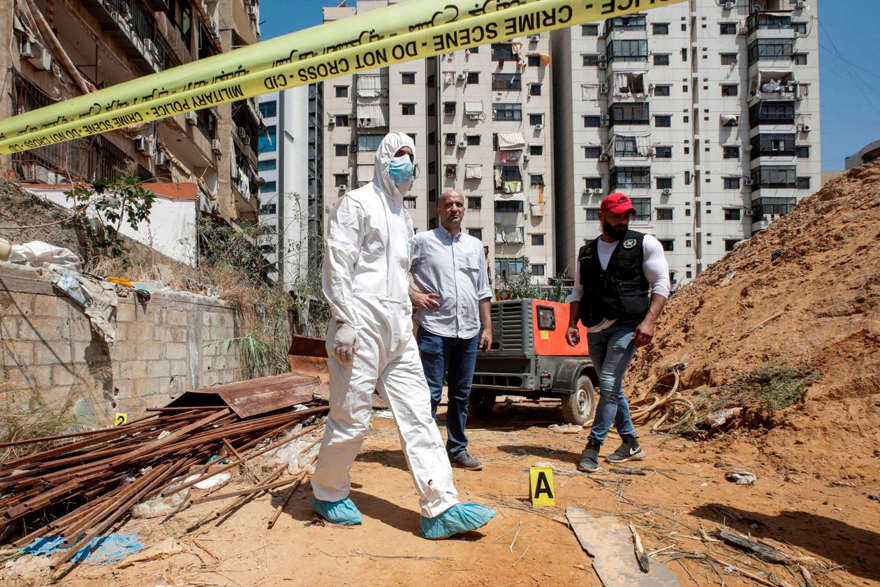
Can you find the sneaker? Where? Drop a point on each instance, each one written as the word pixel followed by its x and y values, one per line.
pixel 590 458
pixel 629 450
pixel 466 461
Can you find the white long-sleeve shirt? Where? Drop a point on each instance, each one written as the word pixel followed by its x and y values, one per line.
pixel 654 267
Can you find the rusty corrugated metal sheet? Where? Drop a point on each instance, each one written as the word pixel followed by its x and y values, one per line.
pixel 308 347
pixel 254 396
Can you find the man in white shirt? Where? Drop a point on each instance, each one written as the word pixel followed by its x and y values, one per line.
pixel 452 297
pixel 621 286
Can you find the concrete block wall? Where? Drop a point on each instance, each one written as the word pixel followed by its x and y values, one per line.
pixel 163 347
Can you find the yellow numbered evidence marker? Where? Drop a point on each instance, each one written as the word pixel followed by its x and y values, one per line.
pixel 120 419
pixel 541 489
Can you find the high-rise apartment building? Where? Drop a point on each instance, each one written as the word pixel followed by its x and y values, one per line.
pixel 284 191
pixel 705 113
pixel 60 50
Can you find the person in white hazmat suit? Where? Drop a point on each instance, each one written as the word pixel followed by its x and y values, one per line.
pixel 371 346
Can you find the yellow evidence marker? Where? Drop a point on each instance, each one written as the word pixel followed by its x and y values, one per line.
pixel 120 419
pixel 541 486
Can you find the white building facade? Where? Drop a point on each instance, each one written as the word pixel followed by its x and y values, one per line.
pixel 284 193
pixel 705 113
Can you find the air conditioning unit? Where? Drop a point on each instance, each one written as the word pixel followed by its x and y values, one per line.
pixel 747 181
pixel 534 38
pixel 666 192
pixel 603 89
pixel 604 157
pixel 462 144
pixel 804 128
pixel 191 118
pixel 597 191
pixel 216 146
pixel 604 120
pixel 37 55
pixel 461 76
pixel 729 5
pixel 525 157
pixel 539 126
pixel 161 159
pixel 331 122
pixel 603 62
pixel 800 4
pixel 144 145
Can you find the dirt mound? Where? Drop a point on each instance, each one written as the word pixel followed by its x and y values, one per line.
pixel 803 295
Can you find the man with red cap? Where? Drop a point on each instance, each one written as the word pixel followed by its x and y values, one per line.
pixel 621 286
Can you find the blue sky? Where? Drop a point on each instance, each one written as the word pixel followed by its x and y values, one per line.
pixel 849 63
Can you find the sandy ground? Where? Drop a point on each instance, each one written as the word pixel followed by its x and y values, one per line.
pixel 830 522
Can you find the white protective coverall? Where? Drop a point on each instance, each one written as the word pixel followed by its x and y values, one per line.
pixel 366 267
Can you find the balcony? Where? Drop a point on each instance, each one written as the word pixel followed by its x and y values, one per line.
pixel 771 113
pixel 627 149
pixel 627 51
pixel 134 29
pixel 774 23
pixel 509 235
pixel 626 27
pixel 773 145
pixel 774 85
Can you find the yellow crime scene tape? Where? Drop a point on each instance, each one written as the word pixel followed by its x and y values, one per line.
pixel 404 32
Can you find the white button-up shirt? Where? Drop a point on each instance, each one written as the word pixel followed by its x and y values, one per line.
pixel 455 268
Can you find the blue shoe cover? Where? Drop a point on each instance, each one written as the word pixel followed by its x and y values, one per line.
pixel 342 512
pixel 460 518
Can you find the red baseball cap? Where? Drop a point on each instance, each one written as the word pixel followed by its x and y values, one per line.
pixel 617 203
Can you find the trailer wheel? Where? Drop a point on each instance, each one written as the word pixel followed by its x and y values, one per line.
pixel 580 406
pixel 482 403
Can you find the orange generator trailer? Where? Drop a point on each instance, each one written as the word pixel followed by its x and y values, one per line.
pixel 530 357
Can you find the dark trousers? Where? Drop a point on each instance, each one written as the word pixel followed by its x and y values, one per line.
pixel 455 358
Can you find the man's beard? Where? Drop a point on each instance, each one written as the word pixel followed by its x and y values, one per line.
pixel 615 232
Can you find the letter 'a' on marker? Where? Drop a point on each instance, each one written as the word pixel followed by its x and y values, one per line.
pixel 541 490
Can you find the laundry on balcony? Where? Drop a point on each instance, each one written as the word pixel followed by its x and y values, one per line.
pixel 473 171
pixel 512 187
pixel 450 170
pixel 372 115
pixel 516 47
pixel 371 85
pixel 510 156
pixel 511 141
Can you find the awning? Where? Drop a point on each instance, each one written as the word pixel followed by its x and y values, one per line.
pixel 473 108
pixel 473 171
pixel 511 141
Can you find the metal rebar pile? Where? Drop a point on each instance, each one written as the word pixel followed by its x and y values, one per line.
pixel 89 483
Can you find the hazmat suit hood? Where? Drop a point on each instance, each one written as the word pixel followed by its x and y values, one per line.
pixel 391 144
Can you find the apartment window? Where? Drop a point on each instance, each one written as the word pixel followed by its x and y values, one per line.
pixel 341 150
pixel 589 30
pixel 803 152
pixel 664 213
pixel 730 243
pixel 663 152
pixel 774 176
pixel 729 90
pixel 772 206
pixel 728 28
pixel 508 267
pixel 668 244
pixel 731 152
pixel 684 54
pixel 269 109
pixel 449 108
pixel 473 140
pixel 592 121
pixel 662 120
pixel 342 91
pixel 800 28
pixel 662 90
pixel 731 183
pixel 369 142
pixel 536 149
pixel 537 240
pixel 771 112
pixel 773 145
pixel 450 170
pixel 627 23
pixel 663 183
pixel 266 209
pixel 536 179
pixel 511 173
pixel 477 233
pixel 473 77
pixel 474 203
pixel 407 78
pixel 450 139
pixel 803 183
pixel 732 214
pixel 409 202
pixel 340 179
pixel 592 213
pixel 800 58
pixel 537 269
pixel 534 89
pixel 509 206
pixel 628 50
pixel 728 58
pixel 503 52
pixel 536 119
pixel 593 183
pixel 590 59
pixel 627 147
pixel 534 60
pixel 688 274
pixel 341 120
pixel 507 111
pixel 661 59
pixel 642 207
pixel 408 109
pixel 267 164
pixel 770 50
pixel 473 50
pixel 631 177
pixel 630 113
pixel 592 152
pixel 660 28
pixel 507 81
pixel 266 144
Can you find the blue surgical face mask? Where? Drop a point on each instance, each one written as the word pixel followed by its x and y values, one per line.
pixel 401 170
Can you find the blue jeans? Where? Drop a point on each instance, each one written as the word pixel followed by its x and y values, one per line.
pixel 612 350
pixel 455 358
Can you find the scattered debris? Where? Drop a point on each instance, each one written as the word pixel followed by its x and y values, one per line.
pixel 641 556
pixel 759 549
pixel 720 417
pixel 741 477
pixel 162 550
pixel 97 550
pixel 565 428
pixel 161 506
pixel 874 496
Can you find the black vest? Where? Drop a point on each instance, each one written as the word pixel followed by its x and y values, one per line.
pixel 619 292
